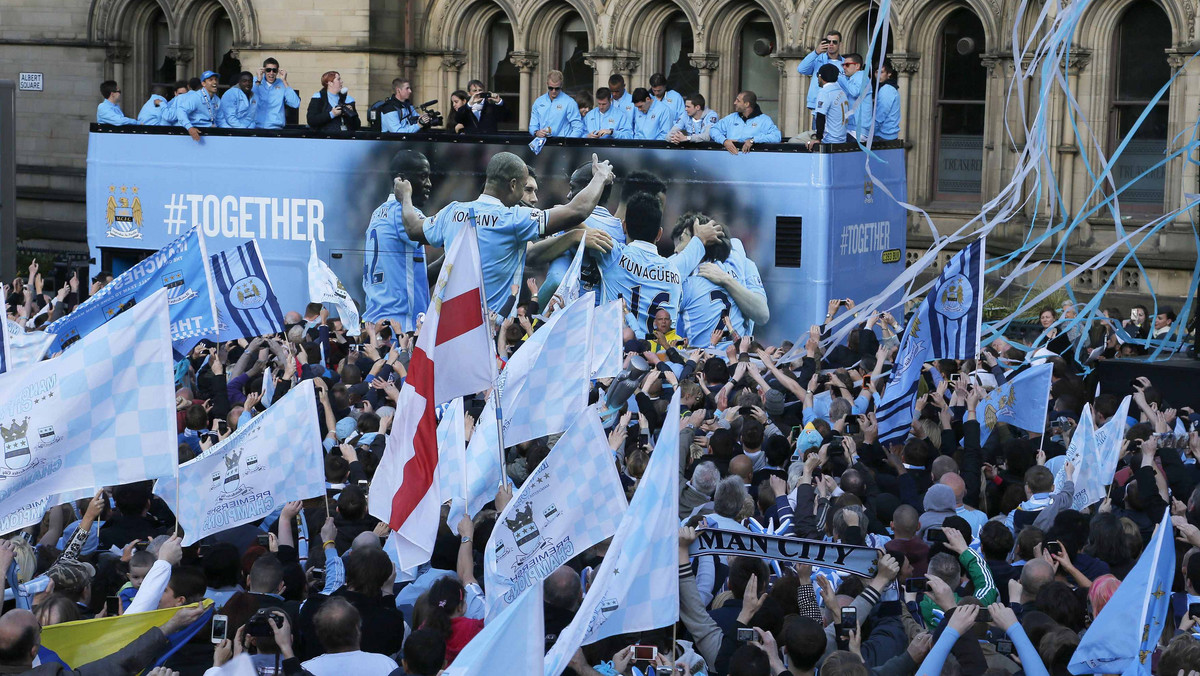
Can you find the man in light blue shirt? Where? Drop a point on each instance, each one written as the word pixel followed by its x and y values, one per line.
pixel 726 284
pixel 395 280
pixel 273 93
pixel 554 113
pixel 605 120
pixel 651 117
pixel 637 273
pixel 887 108
pixel 152 111
pixel 694 125
pixel 168 118
pixel 200 108
pixel 501 224
pixel 672 99
pixel 109 111
pixel 832 109
pixel 238 105
pixel 827 51
pixel 747 125
pixel 398 115
pixel 621 100
pixel 854 82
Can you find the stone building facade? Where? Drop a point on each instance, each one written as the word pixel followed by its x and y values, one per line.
pixel 955 60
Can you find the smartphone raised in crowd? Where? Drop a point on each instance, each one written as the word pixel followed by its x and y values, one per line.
pixel 645 653
pixel 112 606
pixel 220 625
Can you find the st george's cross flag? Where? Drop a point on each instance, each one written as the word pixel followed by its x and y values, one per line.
pixel 454 356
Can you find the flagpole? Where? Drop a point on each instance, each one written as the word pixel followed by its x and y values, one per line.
pixel 493 357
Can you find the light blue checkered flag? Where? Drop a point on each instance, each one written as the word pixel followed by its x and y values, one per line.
pixel 275 458
pixel 545 384
pixel 476 473
pixel 637 586
pixel 571 501
pixel 100 414
pixel 24 347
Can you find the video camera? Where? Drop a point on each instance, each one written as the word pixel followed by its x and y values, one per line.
pixel 435 118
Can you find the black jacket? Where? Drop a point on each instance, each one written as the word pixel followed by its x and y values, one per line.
pixel 318 114
pixel 489 118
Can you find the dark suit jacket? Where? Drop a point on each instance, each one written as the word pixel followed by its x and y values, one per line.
pixel 489 118
pixel 318 114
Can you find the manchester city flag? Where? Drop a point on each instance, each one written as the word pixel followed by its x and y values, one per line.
pixel 100 414
pixel 1020 402
pixel 24 347
pixel 246 303
pixel 180 267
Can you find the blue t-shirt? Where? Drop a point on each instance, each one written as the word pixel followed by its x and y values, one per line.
pixel 705 304
pixel 502 232
pixel 831 101
pixel 647 281
pixel 394 276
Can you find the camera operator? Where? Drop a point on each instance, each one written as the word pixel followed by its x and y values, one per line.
pixel 484 110
pixel 398 115
pixel 332 108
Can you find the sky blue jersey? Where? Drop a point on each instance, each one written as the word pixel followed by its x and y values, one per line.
pixel 704 304
pixel 272 97
pixel 197 109
pixel 152 114
pixel 502 231
pixel 560 114
pixel 831 102
pixel 394 276
pixel 238 109
pixel 654 124
pixel 110 113
pixel 647 281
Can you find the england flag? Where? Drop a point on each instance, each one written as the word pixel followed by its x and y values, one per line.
pixel 454 356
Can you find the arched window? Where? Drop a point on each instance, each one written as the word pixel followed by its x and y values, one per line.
pixel 756 70
pixel 503 77
pixel 960 90
pixel 1141 69
pixel 860 38
pixel 221 43
pixel 682 76
pixel 572 44
pixel 162 65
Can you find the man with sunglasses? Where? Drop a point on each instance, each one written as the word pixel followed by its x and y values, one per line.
pixel 828 51
pixel 554 113
pixel 272 93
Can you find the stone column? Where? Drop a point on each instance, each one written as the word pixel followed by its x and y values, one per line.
pixel 1182 112
pixel 526 62
pixel 626 64
pixel 452 64
pixel 906 66
pixel 1068 145
pixel 793 97
pixel 118 55
pixel 601 63
pixel 183 59
pixel 705 63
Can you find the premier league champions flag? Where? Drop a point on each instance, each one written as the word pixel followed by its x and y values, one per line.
pixel 1020 402
pixel 1094 454
pixel 325 287
pixel 545 384
pixel 181 267
pixel 571 501
pixel 1113 645
pixel 945 326
pixel 275 458
pixel 454 355
pixel 637 586
pixel 100 414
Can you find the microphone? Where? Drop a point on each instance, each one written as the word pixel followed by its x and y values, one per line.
pixel 428 103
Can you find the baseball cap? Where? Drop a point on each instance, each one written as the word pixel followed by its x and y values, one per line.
pixel 70 575
pixel 207 74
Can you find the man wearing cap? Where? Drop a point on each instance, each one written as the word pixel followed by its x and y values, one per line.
pixel 200 108
pixel 73 579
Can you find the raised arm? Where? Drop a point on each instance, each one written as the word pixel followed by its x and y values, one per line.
pixel 580 207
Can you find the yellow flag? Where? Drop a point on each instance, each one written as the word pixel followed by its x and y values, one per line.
pixel 77 643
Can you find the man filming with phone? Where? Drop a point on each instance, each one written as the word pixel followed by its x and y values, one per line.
pixel 484 111
pixel 828 50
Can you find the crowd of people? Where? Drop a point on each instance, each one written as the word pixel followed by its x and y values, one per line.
pixel 983 568
pixel 841 102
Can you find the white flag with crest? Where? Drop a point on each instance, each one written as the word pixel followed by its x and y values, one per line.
pixel 637 586
pixel 571 501
pixel 325 287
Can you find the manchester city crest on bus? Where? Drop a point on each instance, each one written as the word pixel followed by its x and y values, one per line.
pixel 123 213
